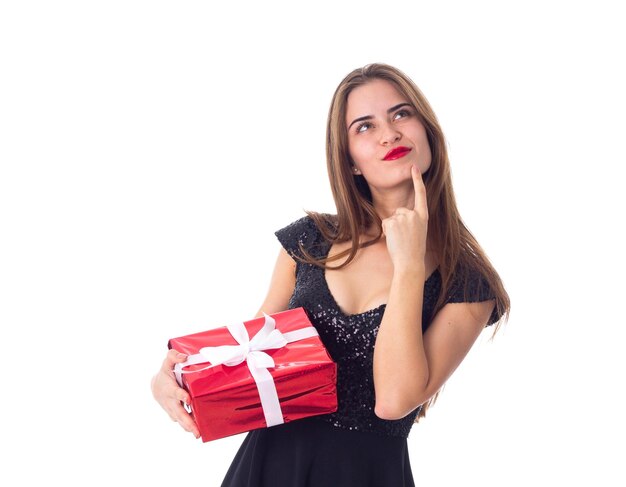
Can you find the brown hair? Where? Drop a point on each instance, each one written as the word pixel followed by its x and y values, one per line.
pixel 457 251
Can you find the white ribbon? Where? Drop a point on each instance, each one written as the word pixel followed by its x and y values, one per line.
pixel 250 351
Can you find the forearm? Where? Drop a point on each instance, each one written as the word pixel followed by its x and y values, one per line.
pixel 400 365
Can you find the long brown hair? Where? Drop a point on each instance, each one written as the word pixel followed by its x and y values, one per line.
pixel 457 251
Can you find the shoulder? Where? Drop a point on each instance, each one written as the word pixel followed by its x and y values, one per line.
pixel 302 232
pixel 299 230
pixel 469 285
pixel 308 224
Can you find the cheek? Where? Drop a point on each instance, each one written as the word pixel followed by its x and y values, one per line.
pixel 360 150
pixel 428 155
pixel 424 146
pixel 356 151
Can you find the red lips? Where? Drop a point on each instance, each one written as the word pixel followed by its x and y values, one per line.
pixel 397 153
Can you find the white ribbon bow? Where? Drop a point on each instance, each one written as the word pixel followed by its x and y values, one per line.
pixel 251 351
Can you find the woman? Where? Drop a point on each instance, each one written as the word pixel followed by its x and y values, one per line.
pixel 408 294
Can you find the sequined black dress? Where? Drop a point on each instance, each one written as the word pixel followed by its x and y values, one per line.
pixel 351 447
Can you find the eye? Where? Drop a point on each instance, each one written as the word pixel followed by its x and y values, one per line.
pixel 402 114
pixel 362 127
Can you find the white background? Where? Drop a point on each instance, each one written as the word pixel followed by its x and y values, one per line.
pixel 149 150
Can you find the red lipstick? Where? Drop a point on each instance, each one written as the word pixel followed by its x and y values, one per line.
pixel 397 153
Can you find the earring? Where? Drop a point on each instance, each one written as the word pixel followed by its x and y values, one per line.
pixel 355 169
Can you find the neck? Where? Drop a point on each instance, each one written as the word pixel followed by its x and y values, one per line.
pixel 387 201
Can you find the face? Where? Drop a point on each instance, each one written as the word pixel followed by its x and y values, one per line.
pixel 385 136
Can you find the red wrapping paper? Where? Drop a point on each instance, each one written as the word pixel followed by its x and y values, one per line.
pixel 225 399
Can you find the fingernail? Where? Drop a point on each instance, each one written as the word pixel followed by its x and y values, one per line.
pixel 181 355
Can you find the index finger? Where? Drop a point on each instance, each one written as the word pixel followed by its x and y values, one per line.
pixel 420 190
pixel 173 357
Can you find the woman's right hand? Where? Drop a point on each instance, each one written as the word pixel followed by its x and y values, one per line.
pixel 169 395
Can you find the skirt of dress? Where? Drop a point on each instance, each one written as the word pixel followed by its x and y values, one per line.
pixel 313 453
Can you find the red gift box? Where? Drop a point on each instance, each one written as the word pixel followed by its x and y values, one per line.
pixel 256 374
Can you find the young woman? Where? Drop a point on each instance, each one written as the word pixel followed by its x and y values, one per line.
pixel 395 284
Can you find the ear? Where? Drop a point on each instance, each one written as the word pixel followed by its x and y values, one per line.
pixel 355 171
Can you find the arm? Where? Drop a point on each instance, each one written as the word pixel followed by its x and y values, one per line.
pixel 409 368
pixel 400 362
pixel 165 389
pixel 282 285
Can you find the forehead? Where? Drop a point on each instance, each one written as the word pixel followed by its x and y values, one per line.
pixel 372 98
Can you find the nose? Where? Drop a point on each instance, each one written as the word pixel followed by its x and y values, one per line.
pixel 389 135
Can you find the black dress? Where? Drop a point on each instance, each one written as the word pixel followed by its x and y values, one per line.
pixel 351 447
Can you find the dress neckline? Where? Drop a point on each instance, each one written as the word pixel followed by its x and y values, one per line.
pixel 368 311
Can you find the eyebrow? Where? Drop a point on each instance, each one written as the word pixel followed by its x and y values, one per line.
pixel 368 117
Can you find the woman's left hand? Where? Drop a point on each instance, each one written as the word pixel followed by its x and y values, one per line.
pixel 406 229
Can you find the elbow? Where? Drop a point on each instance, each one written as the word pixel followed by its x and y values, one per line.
pixel 393 410
pixel 387 412
pixel 396 403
